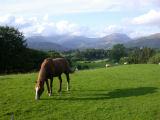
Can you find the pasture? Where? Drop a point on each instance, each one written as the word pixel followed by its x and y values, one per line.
pixel 126 92
pixel 92 64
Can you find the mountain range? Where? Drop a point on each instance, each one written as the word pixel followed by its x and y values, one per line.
pixel 62 42
pixel 152 41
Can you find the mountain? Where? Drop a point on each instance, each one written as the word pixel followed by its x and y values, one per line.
pixel 75 42
pixel 53 39
pixel 45 46
pixel 152 41
pixel 112 39
pixel 45 43
pixel 71 42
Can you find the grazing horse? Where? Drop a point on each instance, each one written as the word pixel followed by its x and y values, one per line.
pixel 49 69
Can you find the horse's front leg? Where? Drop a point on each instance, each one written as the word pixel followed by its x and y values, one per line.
pixel 60 83
pixel 47 86
pixel 68 82
pixel 51 81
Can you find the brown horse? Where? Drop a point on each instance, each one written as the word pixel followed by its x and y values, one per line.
pixel 49 69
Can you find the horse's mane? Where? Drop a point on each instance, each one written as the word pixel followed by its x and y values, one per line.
pixel 43 71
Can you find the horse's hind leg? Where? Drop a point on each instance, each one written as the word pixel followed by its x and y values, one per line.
pixel 68 82
pixel 51 81
pixel 60 83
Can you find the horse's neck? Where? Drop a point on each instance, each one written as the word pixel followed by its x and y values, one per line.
pixel 42 76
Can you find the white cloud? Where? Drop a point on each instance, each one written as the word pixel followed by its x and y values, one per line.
pixel 31 26
pixel 150 18
pixel 57 6
pixel 45 18
pixel 132 31
pixel 139 4
pixel 7 19
pixel 145 24
pixel 51 7
pixel 73 6
pixel 147 3
pixel 64 27
pixel 114 29
pixel 118 29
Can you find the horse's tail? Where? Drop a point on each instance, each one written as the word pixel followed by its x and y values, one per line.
pixel 72 70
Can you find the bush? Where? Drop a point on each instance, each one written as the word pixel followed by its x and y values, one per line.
pixel 124 59
pixel 82 67
pixel 155 59
pixel 85 67
pixel 79 67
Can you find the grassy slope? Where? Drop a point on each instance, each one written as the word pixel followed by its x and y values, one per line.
pixel 129 92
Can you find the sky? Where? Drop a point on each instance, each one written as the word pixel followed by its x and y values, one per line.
pixel 90 18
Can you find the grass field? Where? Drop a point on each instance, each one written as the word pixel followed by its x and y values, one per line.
pixel 130 92
pixel 93 64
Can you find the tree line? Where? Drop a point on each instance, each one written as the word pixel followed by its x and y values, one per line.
pixel 87 55
pixel 118 54
pixel 135 55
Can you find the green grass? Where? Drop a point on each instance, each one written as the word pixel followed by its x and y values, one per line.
pixel 130 92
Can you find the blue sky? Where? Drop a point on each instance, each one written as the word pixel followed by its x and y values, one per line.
pixel 91 18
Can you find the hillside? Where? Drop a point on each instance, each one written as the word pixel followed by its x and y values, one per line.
pixel 152 41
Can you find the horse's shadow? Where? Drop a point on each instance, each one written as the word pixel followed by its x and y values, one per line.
pixel 102 94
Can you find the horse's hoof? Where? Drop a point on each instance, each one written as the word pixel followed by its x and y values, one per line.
pixel 50 94
pixel 68 89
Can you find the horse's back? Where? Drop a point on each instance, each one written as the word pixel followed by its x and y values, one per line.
pixel 48 65
pixel 60 61
pixel 61 65
pixel 56 66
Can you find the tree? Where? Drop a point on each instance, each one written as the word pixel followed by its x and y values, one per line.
pixel 145 54
pixel 12 45
pixel 32 60
pixel 117 52
pixel 155 59
pixel 133 57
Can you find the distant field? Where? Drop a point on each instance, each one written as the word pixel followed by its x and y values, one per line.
pixel 92 64
pixel 130 92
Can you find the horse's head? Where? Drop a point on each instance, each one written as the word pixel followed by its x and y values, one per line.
pixel 39 89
